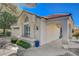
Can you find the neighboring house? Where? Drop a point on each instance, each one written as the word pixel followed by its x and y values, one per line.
pixel 8 8
pixel 44 29
pixel 12 9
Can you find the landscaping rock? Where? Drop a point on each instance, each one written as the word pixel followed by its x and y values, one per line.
pixel 3 42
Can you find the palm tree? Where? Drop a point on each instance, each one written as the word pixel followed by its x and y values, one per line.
pixel 6 20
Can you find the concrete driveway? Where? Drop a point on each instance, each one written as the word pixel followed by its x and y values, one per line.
pixel 51 49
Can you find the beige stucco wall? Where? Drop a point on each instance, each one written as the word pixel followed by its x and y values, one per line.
pixel 48 32
pixel 53 32
pixel 21 22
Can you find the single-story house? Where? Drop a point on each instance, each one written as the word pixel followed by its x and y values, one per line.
pixel 44 29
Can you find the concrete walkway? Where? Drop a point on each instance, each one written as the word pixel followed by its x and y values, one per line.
pixel 51 49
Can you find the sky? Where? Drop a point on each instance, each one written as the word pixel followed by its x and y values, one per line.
pixel 45 9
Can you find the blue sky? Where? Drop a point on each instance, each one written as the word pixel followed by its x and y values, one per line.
pixel 45 9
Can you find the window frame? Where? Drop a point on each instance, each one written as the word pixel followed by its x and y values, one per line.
pixel 26 23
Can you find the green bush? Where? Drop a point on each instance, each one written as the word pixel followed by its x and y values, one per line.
pixel 23 44
pixel 14 40
pixel 20 43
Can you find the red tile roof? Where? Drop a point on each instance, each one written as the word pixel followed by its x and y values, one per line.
pixel 57 16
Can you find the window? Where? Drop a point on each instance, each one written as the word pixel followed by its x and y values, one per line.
pixel 26 27
pixel 26 30
pixel 60 33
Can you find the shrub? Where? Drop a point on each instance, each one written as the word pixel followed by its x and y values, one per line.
pixel 14 40
pixel 20 43
pixel 23 44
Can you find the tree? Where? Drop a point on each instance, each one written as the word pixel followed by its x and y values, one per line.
pixel 6 20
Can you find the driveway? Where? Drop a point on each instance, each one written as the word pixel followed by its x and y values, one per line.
pixel 51 49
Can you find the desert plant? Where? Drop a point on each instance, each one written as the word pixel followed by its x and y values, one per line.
pixel 14 40
pixel 20 42
pixel 23 44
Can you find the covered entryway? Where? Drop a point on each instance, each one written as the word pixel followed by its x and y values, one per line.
pixel 61 30
pixel 54 27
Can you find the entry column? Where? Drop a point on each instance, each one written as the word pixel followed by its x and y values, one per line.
pixel 70 32
pixel 65 34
